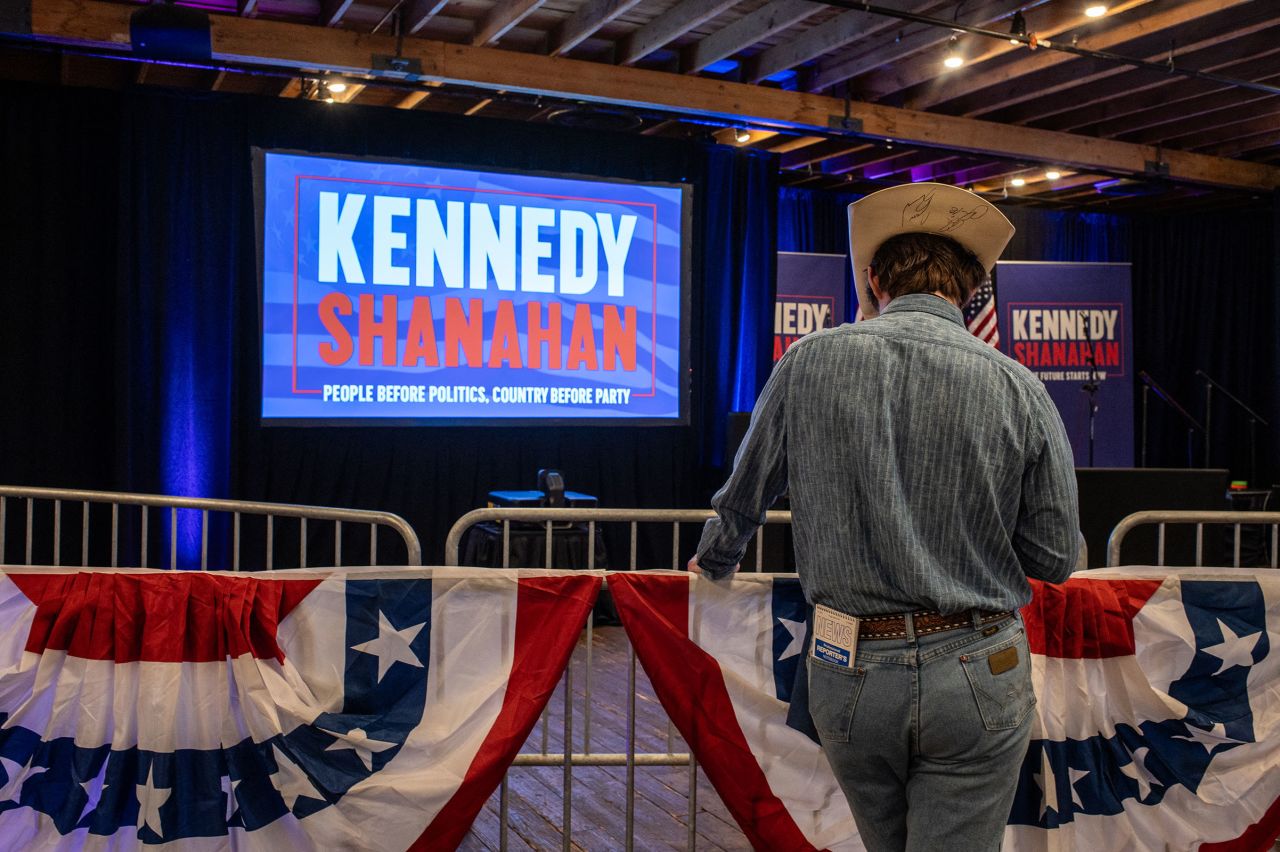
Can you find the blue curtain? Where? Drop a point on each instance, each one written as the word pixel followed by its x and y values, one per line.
pixel 739 283
pixel 816 221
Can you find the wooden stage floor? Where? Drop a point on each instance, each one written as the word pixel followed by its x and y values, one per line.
pixel 599 793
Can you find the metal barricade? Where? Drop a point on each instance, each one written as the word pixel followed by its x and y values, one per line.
pixel 630 759
pixel 1161 518
pixel 34 499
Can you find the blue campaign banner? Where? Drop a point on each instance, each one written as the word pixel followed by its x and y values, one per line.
pixel 1070 324
pixel 811 290
pixel 406 292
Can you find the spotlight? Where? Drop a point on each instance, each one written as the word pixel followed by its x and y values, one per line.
pixel 953 58
pixel 337 87
pixel 1018 182
pixel 328 100
pixel 1095 10
pixel 1018 28
pixel 1052 174
pixel 742 136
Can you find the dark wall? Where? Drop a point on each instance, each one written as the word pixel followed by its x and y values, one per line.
pixel 129 340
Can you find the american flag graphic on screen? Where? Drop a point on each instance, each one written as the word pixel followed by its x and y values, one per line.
pixel 980 315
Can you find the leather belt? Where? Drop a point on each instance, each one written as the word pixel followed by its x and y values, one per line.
pixel 895 626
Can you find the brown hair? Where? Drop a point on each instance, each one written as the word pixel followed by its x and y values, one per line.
pixel 927 263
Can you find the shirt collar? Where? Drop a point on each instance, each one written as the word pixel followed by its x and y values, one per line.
pixel 926 303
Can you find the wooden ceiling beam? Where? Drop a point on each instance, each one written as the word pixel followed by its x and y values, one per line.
pixel 412 99
pixel 831 72
pixel 817 153
pixel 501 18
pixel 1219 113
pixel 1262 149
pixel 420 13
pixel 584 22
pixel 1181 108
pixel 670 25
pixel 298 47
pixel 1087 105
pixel 1256 125
pixel 824 38
pixel 794 143
pixel 1046 21
pixel 750 29
pixel 1149 31
pixel 333 11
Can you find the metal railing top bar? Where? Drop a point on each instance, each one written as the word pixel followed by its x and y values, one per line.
pixel 548 515
pixel 1161 517
pixel 236 508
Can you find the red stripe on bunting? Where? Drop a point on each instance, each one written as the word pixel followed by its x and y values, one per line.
pixel 655 612
pixel 550 615
pixel 1085 619
pixel 1257 838
pixel 163 617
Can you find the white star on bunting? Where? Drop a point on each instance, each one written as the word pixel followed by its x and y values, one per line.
pixel 796 629
pixel 93 790
pixel 150 799
pixel 1048 783
pixel 391 645
pixel 1137 770
pixel 1215 736
pixel 229 785
pixel 1233 650
pixel 359 742
pixel 16 774
pixel 291 781
pixel 1076 776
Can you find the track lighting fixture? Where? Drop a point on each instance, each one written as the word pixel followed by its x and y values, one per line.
pixel 953 58
pixel 1017 28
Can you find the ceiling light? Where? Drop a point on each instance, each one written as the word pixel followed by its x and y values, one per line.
pixel 742 136
pixel 953 58
pixel 336 87
pixel 328 100
pixel 1018 182
pixel 1096 10
pixel 1052 174
pixel 1017 28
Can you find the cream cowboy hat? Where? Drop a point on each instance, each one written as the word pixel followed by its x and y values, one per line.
pixel 928 208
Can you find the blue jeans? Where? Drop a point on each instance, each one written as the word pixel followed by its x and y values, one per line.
pixel 926 734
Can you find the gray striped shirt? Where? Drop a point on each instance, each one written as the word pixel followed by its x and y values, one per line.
pixel 925 469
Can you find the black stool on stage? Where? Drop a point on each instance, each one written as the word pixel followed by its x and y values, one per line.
pixel 482 544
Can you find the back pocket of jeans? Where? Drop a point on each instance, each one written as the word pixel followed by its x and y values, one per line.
pixel 1000 677
pixel 833 696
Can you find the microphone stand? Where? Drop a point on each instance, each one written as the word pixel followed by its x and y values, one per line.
pixel 1091 388
pixel 1254 419
pixel 1149 384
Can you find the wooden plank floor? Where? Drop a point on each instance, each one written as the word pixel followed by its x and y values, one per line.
pixel 599 793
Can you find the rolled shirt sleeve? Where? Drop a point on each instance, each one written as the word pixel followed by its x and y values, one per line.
pixel 759 477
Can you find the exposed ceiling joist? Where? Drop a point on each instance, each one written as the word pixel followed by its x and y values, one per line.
pixel 666 28
pixel 830 73
pixel 501 18
pixel 1092 102
pixel 333 11
pixel 1046 21
pixel 584 23
pixel 412 99
pixel 960 85
pixel 298 47
pixel 815 41
pixel 748 30
pixel 420 12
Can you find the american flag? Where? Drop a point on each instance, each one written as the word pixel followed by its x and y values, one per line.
pixel 980 315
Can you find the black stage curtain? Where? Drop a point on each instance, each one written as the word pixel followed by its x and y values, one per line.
pixel 131 326
pixel 1204 297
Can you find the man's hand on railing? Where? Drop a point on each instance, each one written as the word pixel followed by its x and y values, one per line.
pixel 694 568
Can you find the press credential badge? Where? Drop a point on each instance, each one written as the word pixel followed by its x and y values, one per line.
pixel 835 636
